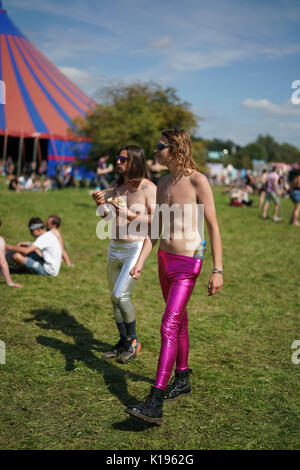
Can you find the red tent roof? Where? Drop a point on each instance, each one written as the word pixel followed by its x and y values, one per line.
pixel 39 98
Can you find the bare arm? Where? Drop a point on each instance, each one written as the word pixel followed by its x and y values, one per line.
pixel 150 241
pixel 205 196
pixel 4 269
pixel 23 250
pixel 104 171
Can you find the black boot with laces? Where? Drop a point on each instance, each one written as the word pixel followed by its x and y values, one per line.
pixel 151 409
pixel 179 385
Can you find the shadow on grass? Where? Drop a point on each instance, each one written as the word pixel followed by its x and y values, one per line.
pixel 115 377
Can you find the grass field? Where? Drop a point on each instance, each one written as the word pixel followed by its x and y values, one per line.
pixel 58 393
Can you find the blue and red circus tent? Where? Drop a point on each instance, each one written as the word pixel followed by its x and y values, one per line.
pixel 40 102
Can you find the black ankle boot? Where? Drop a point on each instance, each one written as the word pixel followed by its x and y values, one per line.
pixel 179 385
pixel 151 409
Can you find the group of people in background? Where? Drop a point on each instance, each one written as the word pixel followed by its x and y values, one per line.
pixel 271 186
pixel 43 256
pixel 34 177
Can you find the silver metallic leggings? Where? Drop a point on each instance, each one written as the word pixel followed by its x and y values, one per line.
pixel 121 258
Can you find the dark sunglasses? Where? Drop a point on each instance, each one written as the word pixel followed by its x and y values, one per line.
pixel 122 159
pixel 161 146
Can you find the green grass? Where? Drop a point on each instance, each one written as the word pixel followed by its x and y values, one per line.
pixel 57 392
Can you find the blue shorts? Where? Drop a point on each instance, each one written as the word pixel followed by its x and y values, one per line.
pixel 295 195
pixel 35 264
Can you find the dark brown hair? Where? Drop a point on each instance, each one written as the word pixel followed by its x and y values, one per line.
pixel 136 165
pixel 56 220
pixel 180 149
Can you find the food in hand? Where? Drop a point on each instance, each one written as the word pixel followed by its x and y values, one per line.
pixel 116 200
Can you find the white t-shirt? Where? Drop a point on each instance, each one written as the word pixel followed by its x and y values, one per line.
pixel 51 250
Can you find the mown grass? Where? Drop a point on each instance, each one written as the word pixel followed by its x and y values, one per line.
pixel 58 393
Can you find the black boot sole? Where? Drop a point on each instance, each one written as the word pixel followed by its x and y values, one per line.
pixel 157 421
pixel 178 396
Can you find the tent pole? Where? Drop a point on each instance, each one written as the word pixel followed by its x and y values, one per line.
pixel 5 146
pixel 20 155
pixel 39 151
pixel 34 150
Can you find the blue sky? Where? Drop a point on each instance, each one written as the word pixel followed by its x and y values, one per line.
pixel 234 61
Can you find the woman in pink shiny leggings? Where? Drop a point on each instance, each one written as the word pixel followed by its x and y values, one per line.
pixel 177 275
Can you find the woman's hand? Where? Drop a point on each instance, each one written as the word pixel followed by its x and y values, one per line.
pixel 124 212
pixel 136 271
pixel 99 197
pixel 215 283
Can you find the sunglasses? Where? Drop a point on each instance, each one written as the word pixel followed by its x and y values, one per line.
pixel 161 146
pixel 122 159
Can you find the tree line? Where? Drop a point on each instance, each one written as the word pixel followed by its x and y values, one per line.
pixel 137 113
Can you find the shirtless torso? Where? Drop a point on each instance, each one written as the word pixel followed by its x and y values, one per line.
pixel 185 230
pixel 138 200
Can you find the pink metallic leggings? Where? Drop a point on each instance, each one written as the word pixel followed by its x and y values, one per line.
pixel 177 274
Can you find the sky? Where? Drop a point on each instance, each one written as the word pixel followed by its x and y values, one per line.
pixel 234 61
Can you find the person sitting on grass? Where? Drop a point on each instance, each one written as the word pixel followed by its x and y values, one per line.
pixel 44 255
pixel 4 269
pixel 53 223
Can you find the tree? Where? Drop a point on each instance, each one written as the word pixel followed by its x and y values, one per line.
pixel 134 114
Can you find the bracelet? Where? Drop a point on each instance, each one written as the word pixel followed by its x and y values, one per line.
pixel 217 271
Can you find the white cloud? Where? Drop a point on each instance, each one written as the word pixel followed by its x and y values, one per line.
pixel 87 81
pixel 290 126
pixel 161 43
pixel 286 109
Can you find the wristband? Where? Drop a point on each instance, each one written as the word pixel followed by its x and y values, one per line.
pixel 217 271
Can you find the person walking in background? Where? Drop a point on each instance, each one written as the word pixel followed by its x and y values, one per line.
pixel 272 194
pixel 179 266
pixel 124 250
pixel 263 187
pixel 103 171
pixel 295 197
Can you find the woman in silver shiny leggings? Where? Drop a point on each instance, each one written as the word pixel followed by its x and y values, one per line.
pixel 121 258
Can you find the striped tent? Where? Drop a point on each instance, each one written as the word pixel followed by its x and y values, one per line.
pixel 37 101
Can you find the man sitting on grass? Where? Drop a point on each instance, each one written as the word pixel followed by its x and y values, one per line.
pixel 53 223
pixel 4 269
pixel 44 255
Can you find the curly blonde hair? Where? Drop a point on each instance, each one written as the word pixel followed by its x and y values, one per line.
pixel 180 150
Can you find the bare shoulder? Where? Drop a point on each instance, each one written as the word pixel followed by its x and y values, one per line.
pixel 198 179
pixel 56 233
pixel 148 187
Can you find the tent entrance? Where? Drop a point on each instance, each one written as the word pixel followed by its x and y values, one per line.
pixel 22 152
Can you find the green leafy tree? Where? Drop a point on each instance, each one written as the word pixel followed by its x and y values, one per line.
pixel 134 114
